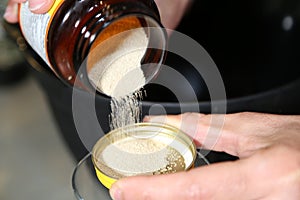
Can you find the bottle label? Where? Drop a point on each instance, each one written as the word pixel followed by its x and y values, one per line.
pixel 35 28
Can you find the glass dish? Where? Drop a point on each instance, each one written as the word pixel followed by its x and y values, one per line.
pixel 86 186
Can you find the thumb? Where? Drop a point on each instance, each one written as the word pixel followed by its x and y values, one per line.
pixel 11 12
pixel 217 181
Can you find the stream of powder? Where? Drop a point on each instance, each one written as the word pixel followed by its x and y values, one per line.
pixel 125 110
pixel 117 73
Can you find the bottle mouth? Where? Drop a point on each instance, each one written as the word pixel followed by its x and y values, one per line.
pixel 126 55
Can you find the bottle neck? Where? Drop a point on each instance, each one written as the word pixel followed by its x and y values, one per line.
pixel 76 37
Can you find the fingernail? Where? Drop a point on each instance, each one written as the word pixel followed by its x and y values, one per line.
pixel 115 192
pixel 37 4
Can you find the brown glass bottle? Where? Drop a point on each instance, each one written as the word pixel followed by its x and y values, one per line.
pixel 76 27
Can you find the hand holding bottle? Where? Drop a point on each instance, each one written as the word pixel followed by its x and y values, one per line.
pixel 171 10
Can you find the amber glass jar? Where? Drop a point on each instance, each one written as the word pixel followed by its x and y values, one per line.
pixel 65 36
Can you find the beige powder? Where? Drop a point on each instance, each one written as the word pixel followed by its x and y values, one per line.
pixel 116 63
pixel 132 156
pixel 117 72
pixel 125 110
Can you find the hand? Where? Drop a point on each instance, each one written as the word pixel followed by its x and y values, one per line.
pixel 171 10
pixel 36 6
pixel 269 166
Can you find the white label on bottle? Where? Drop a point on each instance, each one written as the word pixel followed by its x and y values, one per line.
pixel 35 29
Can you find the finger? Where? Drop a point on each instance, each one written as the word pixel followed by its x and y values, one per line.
pixel 40 6
pixel 187 122
pixel 172 12
pixel 11 12
pixel 218 181
pixel 206 130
